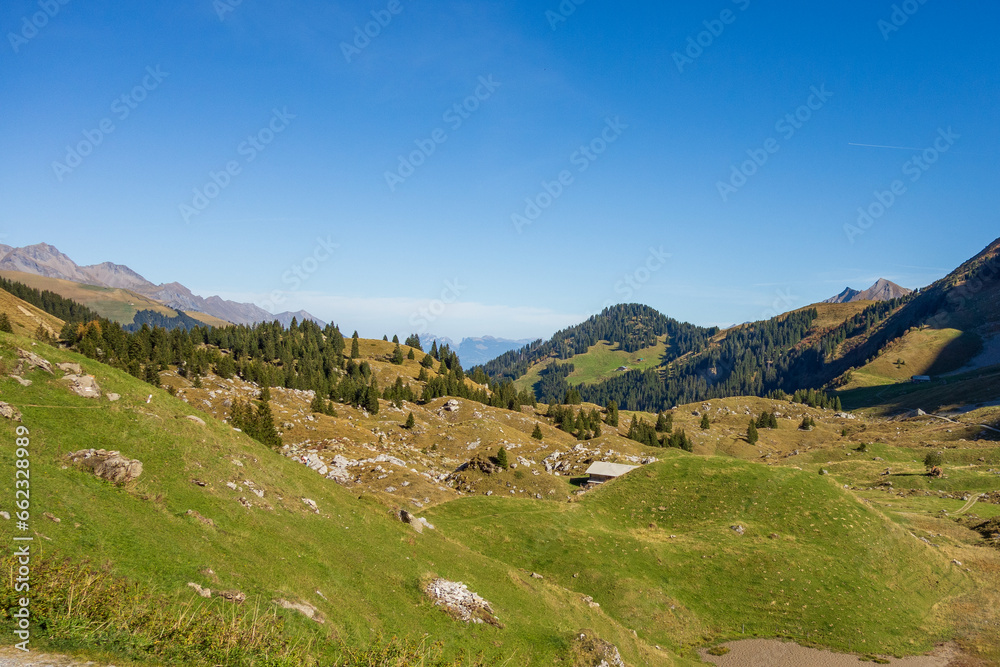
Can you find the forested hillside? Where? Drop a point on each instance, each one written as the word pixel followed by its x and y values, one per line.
pixel 632 326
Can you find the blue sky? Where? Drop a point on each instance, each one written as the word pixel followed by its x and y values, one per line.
pixel 639 122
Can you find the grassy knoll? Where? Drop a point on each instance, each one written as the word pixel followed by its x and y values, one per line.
pixel 657 551
pixel 955 391
pixel 353 561
pixel 598 363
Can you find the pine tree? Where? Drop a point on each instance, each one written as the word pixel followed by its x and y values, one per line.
pixel 661 423
pixel 502 458
pixel 318 404
pixel 355 351
pixel 410 421
pixel 422 376
pixel 705 423
pixel 5 324
pixel 612 419
pixel 395 339
pixel 397 355
pixel 537 433
pixel 411 355
pixel 427 361
pixel 752 436
pixel 371 398
pixel 197 382
pixel 413 340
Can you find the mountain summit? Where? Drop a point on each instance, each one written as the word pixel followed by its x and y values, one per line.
pixel 43 259
pixel 882 290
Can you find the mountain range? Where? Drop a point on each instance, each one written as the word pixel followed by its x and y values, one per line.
pixel 882 290
pixel 475 351
pixel 43 259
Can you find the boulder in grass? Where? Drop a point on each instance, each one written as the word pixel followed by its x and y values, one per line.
pixel 10 412
pixel 110 466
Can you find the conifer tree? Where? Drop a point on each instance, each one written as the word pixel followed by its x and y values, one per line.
pixel 395 339
pixel 537 433
pixel 371 398
pixel 413 340
pixel 355 351
pixel 502 458
pixel 612 408
pixel 411 355
pixel 705 423
pixel 410 421
pixel 427 361
pixel 752 435
pixel 5 324
pixel 422 377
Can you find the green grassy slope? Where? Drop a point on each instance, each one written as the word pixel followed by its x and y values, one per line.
pixel 599 362
pixel 353 561
pixel 656 550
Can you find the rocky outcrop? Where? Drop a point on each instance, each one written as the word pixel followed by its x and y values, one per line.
pixel 8 411
pixel 30 361
pixel 460 602
pixel 83 385
pixel 110 466
pixel 304 608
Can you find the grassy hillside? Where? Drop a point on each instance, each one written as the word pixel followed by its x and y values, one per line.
pixel 26 318
pixel 353 561
pixel 600 362
pixel 657 550
pixel 919 352
pixel 119 305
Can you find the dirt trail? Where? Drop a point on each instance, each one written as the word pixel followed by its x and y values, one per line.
pixel 11 657
pixel 774 653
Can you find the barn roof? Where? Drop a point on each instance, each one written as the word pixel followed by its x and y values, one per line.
pixel 609 469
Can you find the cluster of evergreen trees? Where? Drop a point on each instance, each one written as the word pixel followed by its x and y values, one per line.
pixel 50 302
pixel 640 431
pixel 632 326
pixel 257 420
pixel 584 425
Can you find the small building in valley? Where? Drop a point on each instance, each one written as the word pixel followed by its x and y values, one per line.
pixel 605 472
pixel 920 378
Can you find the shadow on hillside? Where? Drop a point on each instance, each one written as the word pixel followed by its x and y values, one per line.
pixel 578 481
pixel 956 354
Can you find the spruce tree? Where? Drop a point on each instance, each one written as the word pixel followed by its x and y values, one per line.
pixel 502 458
pixel 5 324
pixel 411 355
pixel 661 423
pixel 395 339
pixel 752 436
pixel 612 408
pixel 537 433
pixel 355 351
pixel 410 421
pixel 371 398
pixel 705 423
pixel 397 355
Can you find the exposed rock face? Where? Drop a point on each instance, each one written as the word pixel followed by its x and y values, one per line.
pixel 460 602
pixel 196 420
pixel 71 368
pixel 304 608
pixel 83 385
pixel 30 360
pixel 10 412
pixel 596 649
pixel 110 466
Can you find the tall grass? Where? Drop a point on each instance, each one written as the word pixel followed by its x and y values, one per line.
pixel 77 606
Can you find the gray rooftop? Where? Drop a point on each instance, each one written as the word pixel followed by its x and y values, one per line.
pixel 609 469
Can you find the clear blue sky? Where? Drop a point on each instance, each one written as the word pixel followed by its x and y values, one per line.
pixel 776 242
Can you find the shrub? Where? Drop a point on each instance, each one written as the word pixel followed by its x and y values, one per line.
pixel 934 460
